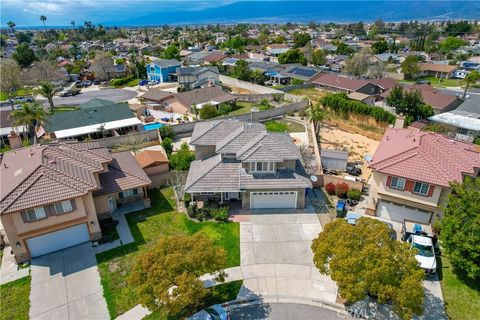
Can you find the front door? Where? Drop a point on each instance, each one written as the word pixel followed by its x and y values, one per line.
pixel 112 203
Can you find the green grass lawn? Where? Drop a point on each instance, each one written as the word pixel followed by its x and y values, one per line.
pixel 15 301
pixel 20 92
pixel 284 125
pixel 242 107
pixel 461 295
pixel 150 224
pixel 438 81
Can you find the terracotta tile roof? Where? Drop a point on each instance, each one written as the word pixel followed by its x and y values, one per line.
pixel 435 67
pixel 424 156
pixel 337 81
pixel 156 94
pixel 148 158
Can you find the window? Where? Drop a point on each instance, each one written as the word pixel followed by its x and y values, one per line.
pixel 36 214
pixel 128 193
pixel 421 188
pixel 62 207
pixel 262 166
pixel 397 183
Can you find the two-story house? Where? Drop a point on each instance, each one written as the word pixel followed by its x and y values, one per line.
pixel 413 171
pixel 162 70
pixel 53 195
pixel 197 77
pixel 241 161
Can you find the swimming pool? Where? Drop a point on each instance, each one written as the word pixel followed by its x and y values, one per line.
pixel 152 126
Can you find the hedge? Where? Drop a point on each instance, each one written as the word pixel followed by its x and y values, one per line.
pixel 339 102
pixel 122 81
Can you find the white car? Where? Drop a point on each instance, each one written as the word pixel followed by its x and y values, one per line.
pixel 426 252
pixel 215 312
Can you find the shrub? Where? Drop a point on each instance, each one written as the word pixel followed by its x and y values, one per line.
pixel 180 160
pixel 224 109
pixel 264 105
pixel 220 214
pixel 166 132
pixel 354 194
pixel 167 144
pixel 330 188
pixel 121 81
pixel 341 189
pixel 208 112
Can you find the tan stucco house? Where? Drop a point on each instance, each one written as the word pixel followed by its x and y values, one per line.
pixel 53 196
pixel 242 162
pixel 413 171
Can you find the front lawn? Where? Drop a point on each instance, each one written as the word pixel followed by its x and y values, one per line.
pixel 15 299
pixel 150 224
pixel 438 81
pixel 284 125
pixel 20 92
pixel 461 295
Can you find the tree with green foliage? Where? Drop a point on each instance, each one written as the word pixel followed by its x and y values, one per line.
pixel 167 144
pixel 471 78
pixel 47 90
pixel 11 78
pixel 343 49
pixel 450 44
pixel 380 47
pixel 319 57
pixel 459 227
pixel 31 115
pixel 12 26
pixel 171 52
pixel 208 111
pixel 410 67
pixel 242 71
pixel 279 39
pixel 292 56
pixel 458 28
pixel 23 37
pixel 43 19
pixel 166 275
pixel 166 132
pixel 180 160
pixel 316 114
pixel 409 103
pixel 300 39
pixel 357 65
pixel 381 267
pixel 24 55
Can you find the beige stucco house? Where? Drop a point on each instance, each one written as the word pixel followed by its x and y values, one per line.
pixel 413 171
pixel 53 196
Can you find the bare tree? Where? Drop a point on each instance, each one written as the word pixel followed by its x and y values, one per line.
pixel 11 78
pixel 43 71
pixel 177 181
pixel 134 141
pixel 102 65
pixel 376 70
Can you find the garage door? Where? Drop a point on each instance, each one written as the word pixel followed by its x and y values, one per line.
pixel 273 200
pixel 58 240
pixel 395 212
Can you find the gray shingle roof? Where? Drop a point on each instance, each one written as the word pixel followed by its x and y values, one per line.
pixel 165 63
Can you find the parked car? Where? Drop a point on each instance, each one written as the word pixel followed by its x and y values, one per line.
pixel 87 83
pixel 215 312
pixel 22 99
pixel 353 169
pixel 69 92
pixel 352 218
pixel 78 84
pixel 96 81
pixel 422 82
pixel 426 252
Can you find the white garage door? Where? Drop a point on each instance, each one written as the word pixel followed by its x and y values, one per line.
pixel 58 240
pixel 395 212
pixel 274 200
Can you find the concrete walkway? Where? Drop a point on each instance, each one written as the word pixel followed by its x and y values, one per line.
pixel 9 270
pixel 66 285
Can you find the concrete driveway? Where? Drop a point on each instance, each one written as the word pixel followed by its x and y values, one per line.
pixel 66 285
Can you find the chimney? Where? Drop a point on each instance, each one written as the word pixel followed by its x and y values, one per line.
pixel 14 140
pixel 399 122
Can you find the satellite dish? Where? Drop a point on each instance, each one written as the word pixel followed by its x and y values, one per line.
pixel 314 178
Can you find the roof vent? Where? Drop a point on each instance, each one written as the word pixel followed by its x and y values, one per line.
pixel 52 161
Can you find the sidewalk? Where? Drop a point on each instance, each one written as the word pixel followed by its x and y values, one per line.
pixel 9 270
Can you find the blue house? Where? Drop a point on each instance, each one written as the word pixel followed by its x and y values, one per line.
pixel 162 70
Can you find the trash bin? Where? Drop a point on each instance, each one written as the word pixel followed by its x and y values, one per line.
pixel 340 208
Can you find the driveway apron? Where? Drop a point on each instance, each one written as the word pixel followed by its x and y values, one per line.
pixel 66 285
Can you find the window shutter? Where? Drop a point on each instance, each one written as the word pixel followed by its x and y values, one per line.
pixel 24 216
pixel 50 210
pixel 74 204
pixel 409 185
pixel 430 190
pixel 389 181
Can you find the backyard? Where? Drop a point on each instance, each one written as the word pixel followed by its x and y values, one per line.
pixel 242 107
pixel 461 295
pixel 148 225
pixel 438 81
pixel 15 299
pixel 284 125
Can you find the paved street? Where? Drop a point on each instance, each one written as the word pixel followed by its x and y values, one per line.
pixel 283 311
pixel 116 95
pixel 66 286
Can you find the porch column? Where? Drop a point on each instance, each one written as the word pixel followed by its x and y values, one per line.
pixel 221 197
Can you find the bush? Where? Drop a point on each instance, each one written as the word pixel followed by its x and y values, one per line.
pixel 354 194
pixel 264 105
pixel 341 189
pixel 224 109
pixel 208 112
pixel 121 81
pixel 330 188
pixel 180 160
pixel 166 132
pixel 220 214
pixel 167 144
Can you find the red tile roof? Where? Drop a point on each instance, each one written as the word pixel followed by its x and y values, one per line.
pixel 342 82
pixel 424 156
pixel 149 158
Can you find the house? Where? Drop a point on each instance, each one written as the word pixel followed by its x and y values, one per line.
pixel 437 70
pixel 197 77
pixel 299 72
pixel 334 159
pixel 155 165
pixel 387 58
pixel 161 70
pixel 277 49
pixel 96 118
pixel 242 162
pixel 412 172
pixel 465 119
pixel 53 195
pixel 7 125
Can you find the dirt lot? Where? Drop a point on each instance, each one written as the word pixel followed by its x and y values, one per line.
pixel 332 137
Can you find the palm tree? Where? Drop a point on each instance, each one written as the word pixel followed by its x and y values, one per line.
pixel 43 19
pixel 47 90
pixel 316 114
pixel 470 78
pixel 12 26
pixel 73 24
pixel 30 115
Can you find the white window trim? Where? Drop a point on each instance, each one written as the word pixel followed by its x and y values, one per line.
pixel 420 190
pixel 66 207
pixel 39 213
pixel 129 193
pixel 396 186
pixel 267 166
